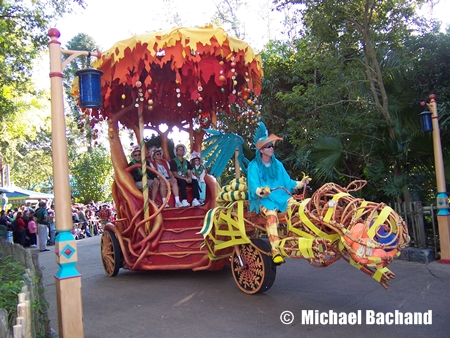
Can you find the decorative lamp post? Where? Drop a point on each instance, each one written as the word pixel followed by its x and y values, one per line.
pixel 67 279
pixel 443 215
pixel 90 87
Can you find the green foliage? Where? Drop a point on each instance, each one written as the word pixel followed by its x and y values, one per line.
pixel 92 174
pixel 26 138
pixel 11 282
pixel 345 95
pixel 26 144
pixel 23 35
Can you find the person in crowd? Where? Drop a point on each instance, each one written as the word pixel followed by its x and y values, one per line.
pixel 43 221
pixel 77 232
pixel 75 218
pixel 28 207
pixel 266 175
pixel 163 167
pixel 92 206
pixel 137 172
pixel 52 227
pixel 91 218
pixel 19 226
pixel 10 215
pixel 83 221
pixel 32 229
pixel 6 221
pixel 199 173
pixel 104 215
pixel 181 169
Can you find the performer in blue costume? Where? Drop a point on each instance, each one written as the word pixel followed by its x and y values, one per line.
pixel 266 173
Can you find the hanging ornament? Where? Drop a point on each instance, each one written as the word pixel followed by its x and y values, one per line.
pixel 150 101
pixel 123 96
pixel 138 84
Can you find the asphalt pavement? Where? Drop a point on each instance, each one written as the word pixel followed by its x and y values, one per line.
pixel 336 301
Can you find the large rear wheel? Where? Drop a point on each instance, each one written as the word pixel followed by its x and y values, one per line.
pixel 111 253
pixel 252 267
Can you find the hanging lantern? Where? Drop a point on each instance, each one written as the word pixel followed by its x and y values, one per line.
pixel 90 87
pixel 425 121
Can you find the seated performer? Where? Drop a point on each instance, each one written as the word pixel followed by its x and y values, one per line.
pixel 265 173
pixel 163 167
pixel 199 173
pixel 181 169
pixel 137 172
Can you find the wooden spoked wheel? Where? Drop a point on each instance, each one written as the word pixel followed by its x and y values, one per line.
pixel 254 272
pixel 111 253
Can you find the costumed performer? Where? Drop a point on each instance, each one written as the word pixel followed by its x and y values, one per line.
pixel 266 173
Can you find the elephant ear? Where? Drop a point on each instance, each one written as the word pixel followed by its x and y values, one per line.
pixel 220 149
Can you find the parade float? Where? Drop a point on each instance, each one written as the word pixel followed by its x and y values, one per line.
pixel 185 78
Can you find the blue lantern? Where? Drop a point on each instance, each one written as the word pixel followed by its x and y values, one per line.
pixel 425 120
pixel 90 88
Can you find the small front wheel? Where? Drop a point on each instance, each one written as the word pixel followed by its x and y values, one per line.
pixel 111 253
pixel 253 269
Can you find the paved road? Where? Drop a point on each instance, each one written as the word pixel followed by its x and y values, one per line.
pixel 208 304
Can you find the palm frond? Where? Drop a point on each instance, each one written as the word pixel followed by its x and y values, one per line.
pixel 221 147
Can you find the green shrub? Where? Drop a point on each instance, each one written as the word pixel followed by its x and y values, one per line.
pixel 11 283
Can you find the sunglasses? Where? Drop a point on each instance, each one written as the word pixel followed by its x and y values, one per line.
pixel 137 154
pixel 157 153
pixel 268 146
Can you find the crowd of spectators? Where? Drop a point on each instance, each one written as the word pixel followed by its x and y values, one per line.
pixel 34 226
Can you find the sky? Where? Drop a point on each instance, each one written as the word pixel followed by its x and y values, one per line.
pixel 110 21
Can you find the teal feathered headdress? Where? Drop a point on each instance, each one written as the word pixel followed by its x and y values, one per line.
pixel 262 137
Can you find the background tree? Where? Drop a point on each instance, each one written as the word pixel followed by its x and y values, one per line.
pixel 81 132
pixel 26 139
pixel 92 175
pixel 227 16
pixel 23 35
pixel 353 74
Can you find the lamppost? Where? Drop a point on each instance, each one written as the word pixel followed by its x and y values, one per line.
pixel 67 278
pixel 443 215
